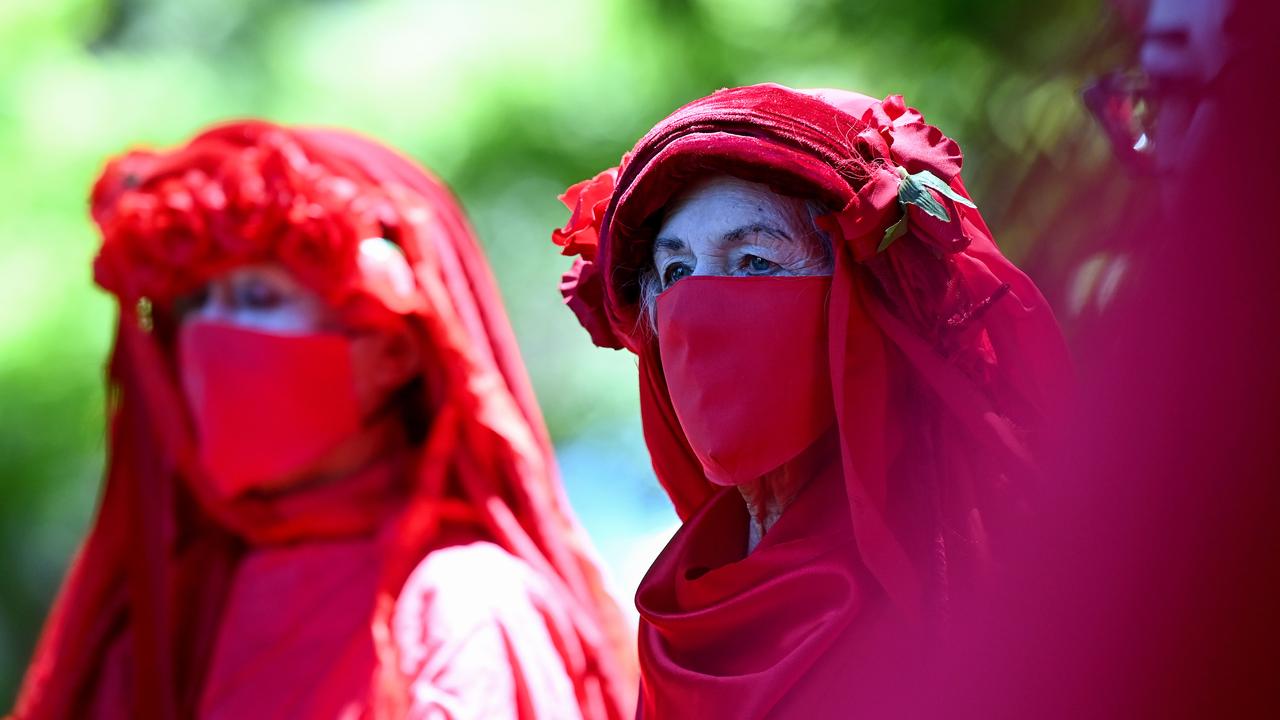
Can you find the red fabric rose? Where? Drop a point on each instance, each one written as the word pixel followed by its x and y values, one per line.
pixel 324 228
pixel 158 239
pixel 257 202
pixel 583 286
pixel 188 205
pixel 172 221
pixel 913 144
pixel 588 200
pixel 583 291
pixel 123 266
pixel 896 140
pixel 119 176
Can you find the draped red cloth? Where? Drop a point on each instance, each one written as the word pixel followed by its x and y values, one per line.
pixel 152 600
pixel 1154 580
pixel 945 361
pixel 712 644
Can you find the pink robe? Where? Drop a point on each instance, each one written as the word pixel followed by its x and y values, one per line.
pixel 469 628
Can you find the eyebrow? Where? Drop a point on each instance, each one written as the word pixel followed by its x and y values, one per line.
pixel 675 244
pixel 671 244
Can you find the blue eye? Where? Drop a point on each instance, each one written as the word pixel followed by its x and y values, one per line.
pixel 759 265
pixel 259 296
pixel 674 272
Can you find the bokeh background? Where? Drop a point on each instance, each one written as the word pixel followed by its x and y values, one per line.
pixel 509 101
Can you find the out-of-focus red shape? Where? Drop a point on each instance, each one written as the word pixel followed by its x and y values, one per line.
pixel 1149 589
pixel 177 604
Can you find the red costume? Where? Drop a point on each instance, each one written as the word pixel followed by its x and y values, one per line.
pixel 930 360
pixel 449 581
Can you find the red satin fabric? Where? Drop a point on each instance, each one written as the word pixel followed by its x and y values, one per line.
pixel 740 419
pixel 153 604
pixel 463 654
pixel 945 364
pixel 264 405
pixel 796 629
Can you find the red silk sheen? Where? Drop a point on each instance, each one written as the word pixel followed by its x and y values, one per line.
pixel 152 593
pixel 945 366
pixel 746 412
pixel 731 634
pixel 265 405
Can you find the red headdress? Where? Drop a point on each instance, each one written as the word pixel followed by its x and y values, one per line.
pixel 945 358
pixel 308 199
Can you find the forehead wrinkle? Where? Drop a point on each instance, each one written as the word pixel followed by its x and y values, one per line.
pixel 739 234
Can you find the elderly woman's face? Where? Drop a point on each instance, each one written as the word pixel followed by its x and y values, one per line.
pixel 727 226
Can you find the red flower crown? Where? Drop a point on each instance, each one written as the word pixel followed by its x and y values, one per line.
pixel 901 168
pixel 170 221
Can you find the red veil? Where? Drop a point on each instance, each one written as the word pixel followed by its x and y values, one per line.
pixel 945 358
pixel 158 559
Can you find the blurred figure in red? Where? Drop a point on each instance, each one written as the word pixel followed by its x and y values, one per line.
pixel 329 490
pixel 1151 589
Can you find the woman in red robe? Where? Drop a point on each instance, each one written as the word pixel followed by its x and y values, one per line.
pixel 329 489
pixel 842 386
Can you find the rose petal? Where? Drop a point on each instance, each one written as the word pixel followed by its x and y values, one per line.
pixel 891 112
pixel 588 200
pixel 918 146
pixel 583 290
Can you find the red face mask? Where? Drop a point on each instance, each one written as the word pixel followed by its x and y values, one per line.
pixel 745 360
pixel 265 405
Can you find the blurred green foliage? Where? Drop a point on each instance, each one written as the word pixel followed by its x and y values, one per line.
pixel 509 101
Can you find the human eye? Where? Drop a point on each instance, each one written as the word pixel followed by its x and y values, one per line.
pixel 258 294
pixel 673 272
pixel 756 265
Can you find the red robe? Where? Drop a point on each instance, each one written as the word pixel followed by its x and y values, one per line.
pixel 469 631
pixel 453 582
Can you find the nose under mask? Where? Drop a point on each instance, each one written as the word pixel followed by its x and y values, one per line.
pixel 745 361
pixel 265 405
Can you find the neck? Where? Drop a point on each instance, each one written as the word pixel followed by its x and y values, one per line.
pixel 768 496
